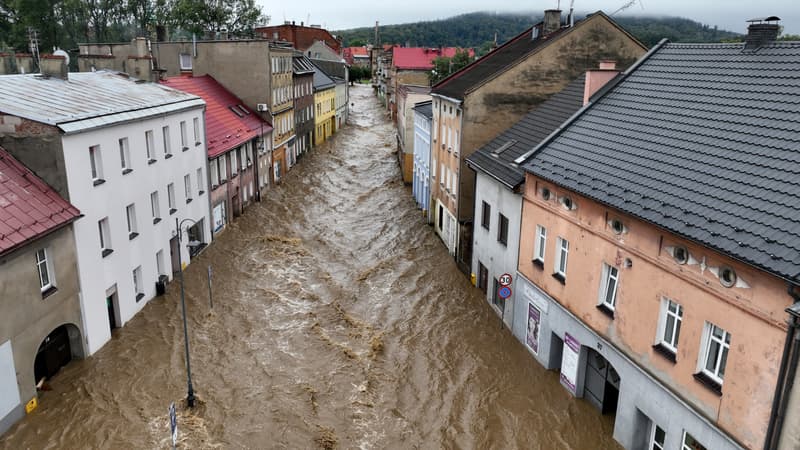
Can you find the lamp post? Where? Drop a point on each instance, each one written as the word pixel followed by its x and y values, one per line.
pixel 190 394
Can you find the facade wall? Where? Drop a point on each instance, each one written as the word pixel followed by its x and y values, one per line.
pixel 324 114
pixel 445 151
pixel 341 104
pixel 29 315
pixel 38 146
pixel 102 275
pixel 498 258
pixel 405 131
pixel 302 36
pixel 304 111
pixel 233 187
pixel 422 164
pixel 283 133
pixel 790 433
pixel 752 311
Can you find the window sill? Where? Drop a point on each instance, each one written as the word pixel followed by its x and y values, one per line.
pixel 188 200
pixel 107 252
pixel 168 156
pixel 172 211
pixel 538 263
pixel 485 227
pixel 560 277
pixel 48 292
pixel 201 193
pixel 234 175
pixel 151 161
pixel 503 243
pixel 184 148
pixel 98 181
pixel 603 308
pixel 127 171
pixel 709 383
pixel 197 143
pixel 139 296
pixel 662 350
pixel 132 236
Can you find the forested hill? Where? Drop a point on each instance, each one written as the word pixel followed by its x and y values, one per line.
pixel 478 30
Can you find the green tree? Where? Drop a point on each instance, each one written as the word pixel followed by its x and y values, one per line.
pixel 443 66
pixel 198 16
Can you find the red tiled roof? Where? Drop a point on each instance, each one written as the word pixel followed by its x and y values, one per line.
pixel 358 51
pixel 29 207
pixel 419 58
pixel 225 130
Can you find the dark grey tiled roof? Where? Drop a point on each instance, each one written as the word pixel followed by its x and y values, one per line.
pixel 425 108
pixel 702 140
pixel 527 134
pixel 301 65
pixel 321 81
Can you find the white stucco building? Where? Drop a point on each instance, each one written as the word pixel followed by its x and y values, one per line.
pixel 421 187
pixel 132 157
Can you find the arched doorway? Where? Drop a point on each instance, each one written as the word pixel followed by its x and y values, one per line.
pixel 601 385
pixel 56 351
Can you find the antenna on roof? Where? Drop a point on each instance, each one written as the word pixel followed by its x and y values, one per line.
pixel 33 44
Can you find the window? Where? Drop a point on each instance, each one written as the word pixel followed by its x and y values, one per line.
pixel 486 216
pixel 496 300
pixel 184 144
pixel 567 202
pixel 186 61
pixel 137 283
pixel 171 197
pixel 154 208
pixel 690 443
pixel 214 174
pixel 680 254
pixel 160 262
pixel 714 356
pixel 562 249
pixel 546 194
pixel 167 147
pixel 105 237
pixel 96 164
pixel 223 169
pixel 234 165
pixel 45 269
pixel 130 214
pixel 483 277
pixel 657 437
pixel 125 156
pixel 608 288
pixel 196 122
pixel 200 182
pixel 150 144
pixel 669 329
pixel 187 187
pixel 540 243
pixel 502 230
pixel 727 276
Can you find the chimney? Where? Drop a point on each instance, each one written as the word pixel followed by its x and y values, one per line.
pixel 760 32
pixel 552 20
pixel 597 78
pixel 140 47
pixel 54 66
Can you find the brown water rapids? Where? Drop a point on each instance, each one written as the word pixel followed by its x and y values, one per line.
pixel 339 321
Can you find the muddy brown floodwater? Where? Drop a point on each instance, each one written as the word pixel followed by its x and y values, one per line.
pixel 339 321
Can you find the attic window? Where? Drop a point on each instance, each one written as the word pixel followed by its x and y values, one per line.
pixel 680 254
pixel 546 193
pixel 496 152
pixel 243 110
pixel 727 276
pixel 236 111
pixel 567 202
pixel 186 61
pixel 617 226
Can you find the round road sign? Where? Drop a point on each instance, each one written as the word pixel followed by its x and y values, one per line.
pixel 505 279
pixel 504 292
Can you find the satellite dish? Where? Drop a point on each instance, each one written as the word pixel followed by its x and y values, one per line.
pixel 60 52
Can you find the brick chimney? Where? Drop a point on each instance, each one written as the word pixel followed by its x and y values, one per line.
pixel 53 66
pixel 597 78
pixel 761 32
pixel 552 20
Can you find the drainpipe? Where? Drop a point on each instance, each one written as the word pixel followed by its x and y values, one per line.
pixel 786 374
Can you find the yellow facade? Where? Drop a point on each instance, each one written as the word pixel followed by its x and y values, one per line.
pixel 324 114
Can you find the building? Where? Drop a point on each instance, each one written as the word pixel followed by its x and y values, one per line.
pixel 303 80
pixel 132 157
pixel 301 36
pixel 42 328
pixel 421 189
pixel 319 50
pixel 282 109
pixel 356 56
pixel 340 74
pixel 407 97
pixel 475 104
pixel 324 106
pixel 235 136
pixel 499 183
pixel 658 253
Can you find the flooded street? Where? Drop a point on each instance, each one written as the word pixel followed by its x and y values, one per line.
pixel 339 321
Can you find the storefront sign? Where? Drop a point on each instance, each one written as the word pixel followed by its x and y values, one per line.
pixel 569 362
pixel 219 217
pixel 532 337
pixel 534 296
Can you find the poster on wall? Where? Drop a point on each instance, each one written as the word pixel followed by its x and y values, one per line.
pixel 532 337
pixel 219 217
pixel 569 362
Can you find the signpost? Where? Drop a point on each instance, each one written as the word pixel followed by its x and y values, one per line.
pixel 173 424
pixel 505 279
pixel 504 292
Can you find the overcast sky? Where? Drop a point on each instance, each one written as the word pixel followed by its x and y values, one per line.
pixel 727 14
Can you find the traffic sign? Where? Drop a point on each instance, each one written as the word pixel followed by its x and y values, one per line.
pixel 173 424
pixel 504 292
pixel 505 279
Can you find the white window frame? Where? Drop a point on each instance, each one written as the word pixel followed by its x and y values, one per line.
pixel 184 143
pixel 708 340
pixel 171 197
pixel 214 173
pixel 155 208
pixel 562 254
pixel 44 266
pixel 185 60
pixel 610 273
pixel 196 124
pixel 96 163
pixel 149 141
pixel 125 156
pixel 160 262
pixel 130 215
pixel 200 185
pixel 653 444
pixel 137 283
pixel 540 244
pixel 167 143
pixel 234 165
pixel 105 234
pixel 187 187
pixel 663 324
pixel 685 446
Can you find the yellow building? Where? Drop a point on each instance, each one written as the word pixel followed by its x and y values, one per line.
pixel 324 106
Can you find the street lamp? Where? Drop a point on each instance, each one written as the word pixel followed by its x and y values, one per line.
pixel 190 394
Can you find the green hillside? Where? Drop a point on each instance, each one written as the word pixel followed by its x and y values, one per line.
pixel 478 30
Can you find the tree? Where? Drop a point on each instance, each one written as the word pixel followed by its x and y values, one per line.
pixel 198 16
pixel 443 66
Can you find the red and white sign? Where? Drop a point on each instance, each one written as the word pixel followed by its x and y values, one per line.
pixel 505 279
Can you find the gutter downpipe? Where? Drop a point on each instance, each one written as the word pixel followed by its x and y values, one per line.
pixel 786 373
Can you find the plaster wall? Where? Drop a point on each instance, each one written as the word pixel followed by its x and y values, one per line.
pixel 790 433
pixel 38 146
pixel 752 311
pixel 422 163
pixel 445 151
pixel 405 131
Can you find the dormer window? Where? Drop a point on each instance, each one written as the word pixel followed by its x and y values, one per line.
pixel 680 254
pixel 727 276
pixel 617 226
pixel 567 202
pixel 546 194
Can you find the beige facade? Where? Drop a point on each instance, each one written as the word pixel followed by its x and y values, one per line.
pixel 650 273
pixel 408 96
pixel 282 108
pixel 446 168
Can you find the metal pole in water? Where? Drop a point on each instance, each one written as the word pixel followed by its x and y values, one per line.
pixel 190 393
pixel 210 299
